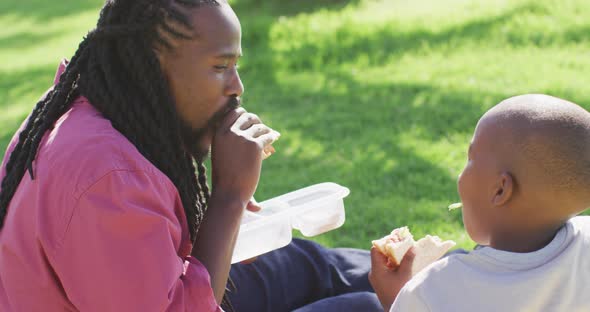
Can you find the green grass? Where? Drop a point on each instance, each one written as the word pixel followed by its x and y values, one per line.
pixel 379 96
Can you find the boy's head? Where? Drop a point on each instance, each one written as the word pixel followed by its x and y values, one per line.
pixel 528 167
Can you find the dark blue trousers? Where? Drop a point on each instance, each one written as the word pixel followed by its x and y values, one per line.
pixel 305 277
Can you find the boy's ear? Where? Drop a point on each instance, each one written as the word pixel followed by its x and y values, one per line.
pixel 503 189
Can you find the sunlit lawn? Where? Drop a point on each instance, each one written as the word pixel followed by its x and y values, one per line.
pixel 379 96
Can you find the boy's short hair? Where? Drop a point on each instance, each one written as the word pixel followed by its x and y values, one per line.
pixel 553 138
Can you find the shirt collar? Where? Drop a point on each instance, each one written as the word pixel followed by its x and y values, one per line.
pixel 60 70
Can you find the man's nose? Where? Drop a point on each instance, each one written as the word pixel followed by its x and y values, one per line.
pixel 235 86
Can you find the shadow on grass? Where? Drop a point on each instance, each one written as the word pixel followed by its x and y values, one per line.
pixel 347 43
pixel 21 89
pixel 286 8
pixel 27 84
pixel 44 11
pixel 363 136
pixel 338 128
pixel 371 137
pixel 4 140
pixel 38 13
pixel 25 40
pixel 579 35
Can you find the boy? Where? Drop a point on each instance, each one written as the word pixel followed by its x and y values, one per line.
pixel 527 176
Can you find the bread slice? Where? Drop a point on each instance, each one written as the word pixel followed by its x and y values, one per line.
pixel 268 149
pixel 395 245
pixel 428 249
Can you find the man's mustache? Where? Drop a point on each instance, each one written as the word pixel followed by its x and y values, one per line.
pixel 232 103
pixel 191 137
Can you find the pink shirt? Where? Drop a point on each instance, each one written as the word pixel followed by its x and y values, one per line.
pixel 99 229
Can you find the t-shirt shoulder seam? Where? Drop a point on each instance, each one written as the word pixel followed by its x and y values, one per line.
pixel 112 171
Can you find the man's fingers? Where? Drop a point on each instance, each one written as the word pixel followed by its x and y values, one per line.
pixel 247 120
pixel 237 125
pixel 268 138
pixel 253 205
pixel 257 130
pixel 249 261
pixel 231 117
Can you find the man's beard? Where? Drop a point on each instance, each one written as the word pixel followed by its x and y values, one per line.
pixel 193 138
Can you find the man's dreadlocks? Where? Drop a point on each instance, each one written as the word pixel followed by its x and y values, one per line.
pixel 117 70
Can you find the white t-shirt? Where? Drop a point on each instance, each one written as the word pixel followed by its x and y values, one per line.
pixel 555 278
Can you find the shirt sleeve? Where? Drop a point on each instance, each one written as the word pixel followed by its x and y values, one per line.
pixel 120 250
pixel 409 300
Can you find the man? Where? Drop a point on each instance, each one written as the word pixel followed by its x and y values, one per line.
pixel 100 205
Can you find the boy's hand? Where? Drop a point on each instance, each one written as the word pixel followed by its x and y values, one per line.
pixel 388 282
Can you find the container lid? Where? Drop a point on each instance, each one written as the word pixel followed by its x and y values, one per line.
pixel 294 210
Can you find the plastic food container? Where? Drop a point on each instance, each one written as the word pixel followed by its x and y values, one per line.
pixel 312 210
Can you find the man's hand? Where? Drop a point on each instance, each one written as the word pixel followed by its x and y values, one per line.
pixel 254 207
pixel 236 157
pixel 236 154
pixel 388 282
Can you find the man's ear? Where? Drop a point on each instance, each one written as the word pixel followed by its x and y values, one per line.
pixel 503 189
pixel 163 56
pixel 162 52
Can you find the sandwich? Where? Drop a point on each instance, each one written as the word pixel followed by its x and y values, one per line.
pixel 455 206
pixel 395 245
pixel 427 249
pixel 268 149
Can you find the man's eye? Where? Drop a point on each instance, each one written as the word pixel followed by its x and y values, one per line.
pixel 225 67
